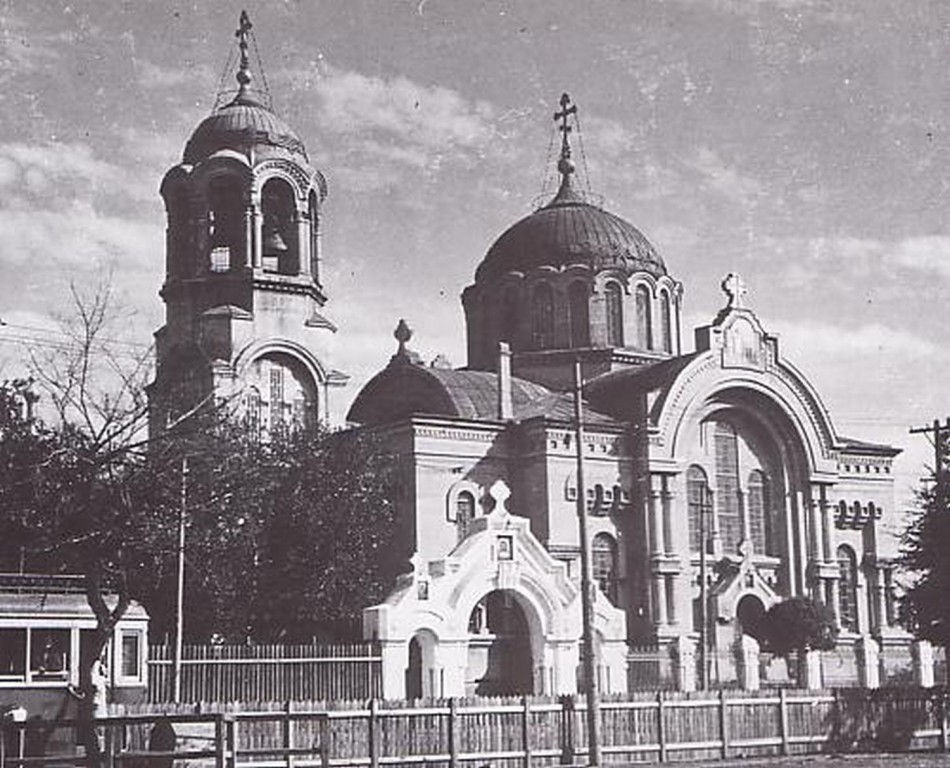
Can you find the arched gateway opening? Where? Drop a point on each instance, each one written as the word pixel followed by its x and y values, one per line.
pixel 499 647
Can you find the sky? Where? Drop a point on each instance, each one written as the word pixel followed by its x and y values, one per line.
pixel 804 144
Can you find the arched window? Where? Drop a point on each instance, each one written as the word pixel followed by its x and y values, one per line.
pixel 847 589
pixel 225 224
pixel 279 231
pixel 509 315
pixel 542 316
pixel 578 323
pixel 697 500
pixel 613 296
pixel 666 326
pixel 603 559
pixel 314 217
pixel 464 513
pixel 757 506
pixel 644 317
pixel 727 486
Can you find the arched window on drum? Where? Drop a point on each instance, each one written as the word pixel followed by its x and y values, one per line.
pixel 847 589
pixel 697 504
pixel 613 295
pixel 666 323
pixel 578 323
pixel 644 317
pixel 604 565
pixel 542 316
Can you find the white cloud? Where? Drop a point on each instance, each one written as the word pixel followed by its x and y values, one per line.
pixel 431 116
pixel 926 253
pixel 64 171
pixel 725 180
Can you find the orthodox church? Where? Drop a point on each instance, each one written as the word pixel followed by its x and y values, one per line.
pixel 714 480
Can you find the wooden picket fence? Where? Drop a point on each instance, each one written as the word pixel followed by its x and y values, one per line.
pixel 527 732
pixel 223 673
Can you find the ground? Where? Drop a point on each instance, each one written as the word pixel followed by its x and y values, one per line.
pixel 881 760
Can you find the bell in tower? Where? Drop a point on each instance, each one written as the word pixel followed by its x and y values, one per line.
pixel 244 211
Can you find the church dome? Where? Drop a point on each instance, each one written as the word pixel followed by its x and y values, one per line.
pixel 566 231
pixel 242 125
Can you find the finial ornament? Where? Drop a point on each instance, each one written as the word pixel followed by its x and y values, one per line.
pixel 565 165
pixel 244 71
pixel 403 334
pixel 734 288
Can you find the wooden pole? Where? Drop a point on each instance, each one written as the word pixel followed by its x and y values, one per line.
pixel 587 596
pixel 180 584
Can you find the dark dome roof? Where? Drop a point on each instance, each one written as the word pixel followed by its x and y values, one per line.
pixel 569 230
pixel 241 125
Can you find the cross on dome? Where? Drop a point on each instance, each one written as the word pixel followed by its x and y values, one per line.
pixel 565 165
pixel 735 288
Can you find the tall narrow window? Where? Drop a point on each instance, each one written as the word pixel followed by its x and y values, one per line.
pixel 225 224
pixel 314 216
pixel 644 317
pixel 727 486
pixel 847 589
pixel 253 412
pixel 464 513
pixel 613 295
pixel 542 316
pixel 578 324
pixel 756 509
pixel 697 496
pixel 666 327
pixel 276 397
pixel 603 553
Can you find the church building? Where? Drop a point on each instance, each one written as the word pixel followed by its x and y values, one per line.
pixel 715 482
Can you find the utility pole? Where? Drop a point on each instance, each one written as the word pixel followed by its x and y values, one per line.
pixel 941 443
pixel 180 587
pixel 587 596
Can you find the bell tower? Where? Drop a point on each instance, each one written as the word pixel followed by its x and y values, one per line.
pixel 244 299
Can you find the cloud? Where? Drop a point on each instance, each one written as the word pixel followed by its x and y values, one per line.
pixel 719 177
pixel 925 253
pixel 431 116
pixel 22 50
pixel 58 171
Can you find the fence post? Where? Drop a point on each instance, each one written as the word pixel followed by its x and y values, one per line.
pixel 783 720
pixel 374 733
pixel 944 726
pixel 220 749
pixel 567 730
pixel 453 734
pixel 108 738
pixel 231 741
pixel 325 740
pixel 723 723
pixel 288 733
pixel 661 726
pixel 526 730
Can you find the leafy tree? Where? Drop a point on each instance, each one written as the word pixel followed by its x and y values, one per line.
pixel 800 624
pixel 925 609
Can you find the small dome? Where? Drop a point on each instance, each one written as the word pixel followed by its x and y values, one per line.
pixel 566 231
pixel 242 125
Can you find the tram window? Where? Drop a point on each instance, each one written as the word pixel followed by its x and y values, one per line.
pixel 49 654
pixel 131 655
pixel 12 654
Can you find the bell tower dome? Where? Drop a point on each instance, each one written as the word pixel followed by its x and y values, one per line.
pixel 243 290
